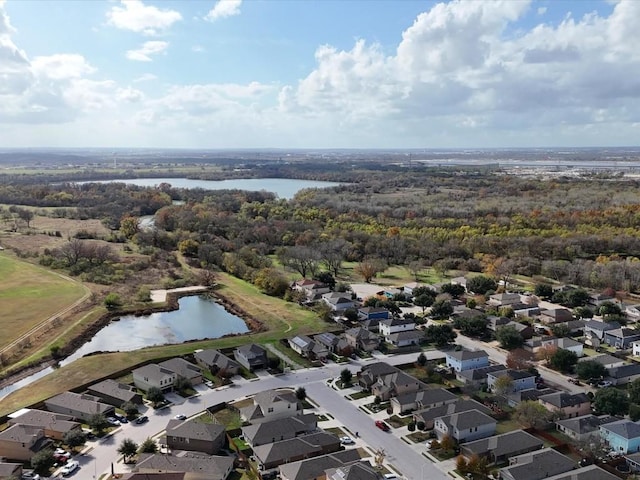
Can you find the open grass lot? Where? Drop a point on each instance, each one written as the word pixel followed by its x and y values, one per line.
pixel 282 319
pixel 29 295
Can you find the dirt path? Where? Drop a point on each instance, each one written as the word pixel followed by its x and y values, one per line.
pixel 158 296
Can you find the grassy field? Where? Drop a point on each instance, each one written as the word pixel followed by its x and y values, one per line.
pixel 282 319
pixel 29 295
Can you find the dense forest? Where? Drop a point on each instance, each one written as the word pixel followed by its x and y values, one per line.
pixel 581 230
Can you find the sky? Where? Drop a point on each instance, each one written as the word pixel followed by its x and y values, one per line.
pixel 209 74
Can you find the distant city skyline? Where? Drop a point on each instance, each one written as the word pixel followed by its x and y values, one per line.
pixel 328 74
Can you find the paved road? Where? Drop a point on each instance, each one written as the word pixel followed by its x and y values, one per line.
pixel 103 454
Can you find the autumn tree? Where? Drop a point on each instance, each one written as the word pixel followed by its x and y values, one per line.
pixel 531 414
pixel 368 269
pixel 503 385
pixel 519 359
pixel 545 352
pixel 129 226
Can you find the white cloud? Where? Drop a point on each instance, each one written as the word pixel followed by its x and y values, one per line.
pixel 137 17
pixel 61 66
pixel 145 77
pixel 143 54
pixel 224 9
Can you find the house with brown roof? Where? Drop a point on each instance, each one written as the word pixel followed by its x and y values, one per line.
pixel 195 436
pixel 271 455
pixel 184 369
pixel 197 466
pixel 280 429
pixel 21 442
pixel 555 315
pixel 78 405
pixel 271 405
pixel 370 373
pixel 55 425
pixel 215 361
pixel 115 393
pixel 361 339
pixel 396 383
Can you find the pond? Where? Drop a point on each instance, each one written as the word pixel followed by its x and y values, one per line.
pixel 197 318
pixel 284 188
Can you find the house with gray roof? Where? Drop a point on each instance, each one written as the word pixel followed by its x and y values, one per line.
pixel 583 427
pixel 184 369
pixel 624 374
pixel 478 376
pixel 280 429
pixel 215 361
pixel 421 399
pixel 308 348
pixel 499 448
pixel 197 466
pixel 395 384
pixel 405 339
pixel 621 337
pixel 361 339
pixel 395 325
pixel 21 442
pixel 566 344
pixel 315 467
pixel 10 470
pixel 338 301
pixel 252 356
pixel 591 472
pixel 460 360
pixel 537 465
pixel 567 404
pixel 78 405
pixel 428 415
pixel 465 426
pixel 353 471
pixel 55 425
pixel 370 373
pixel 271 455
pixel 608 361
pixel 555 315
pixel 153 375
pixel 597 329
pixel 532 394
pixel 522 380
pixel 115 393
pixel 622 436
pixel 195 436
pixel 271 405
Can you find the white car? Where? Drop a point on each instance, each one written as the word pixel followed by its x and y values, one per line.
pixel 69 468
pixel 180 417
pixel 346 441
pixel 604 383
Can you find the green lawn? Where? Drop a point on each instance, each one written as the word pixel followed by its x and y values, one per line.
pixel 29 295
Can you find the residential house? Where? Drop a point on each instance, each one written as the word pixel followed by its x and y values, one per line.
pixel 632 311
pixel 477 376
pixel 583 427
pixel 597 329
pixel 21 442
pixel 500 448
pixel 494 322
pixel 567 404
pixel 353 471
pixel 621 337
pixel 195 436
pixel 504 299
pixel 406 339
pixel 373 313
pixel 465 426
pixel 597 299
pixel 608 361
pixel 215 361
pixel 590 472
pixel 338 301
pixel 271 455
pixel 526 331
pixel 574 326
pixel 635 348
pixel 333 343
pixel 420 399
pixel 566 344
pixel 115 393
pixel 537 465
pixel 314 468
pixel 394 384
pixel 271 405
pixel 313 289
pixel 555 315
pixel 622 436
pixel 526 310
pixel 77 405
pixel 308 348
pixel 252 356
pixel 410 287
pixel 279 429
pixel 464 312
pixel 395 325
pixel 184 369
pixel 370 373
pixel 196 465
pixel 459 281
pixel 153 375
pixel 10 471
pixel 522 380
pixel 624 374
pixel 463 359
pixel 429 415
pixel 55 425
pixel 530 395
pixel 361 339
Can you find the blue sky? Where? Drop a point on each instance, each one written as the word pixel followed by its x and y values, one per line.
pixel 319 74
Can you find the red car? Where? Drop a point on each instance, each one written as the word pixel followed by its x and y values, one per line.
pixel 382 426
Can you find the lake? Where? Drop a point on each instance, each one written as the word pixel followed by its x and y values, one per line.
pixel 283 187
pixel 197 318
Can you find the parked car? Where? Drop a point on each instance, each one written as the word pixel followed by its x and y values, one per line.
pixel 575 381
pixel 30 475
pixel 142 419
pixel 121 418
pixel 346 441
pixel 69 468
pixel 113 421
pixel 382 426
pixel 180 416
pixel 604 384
